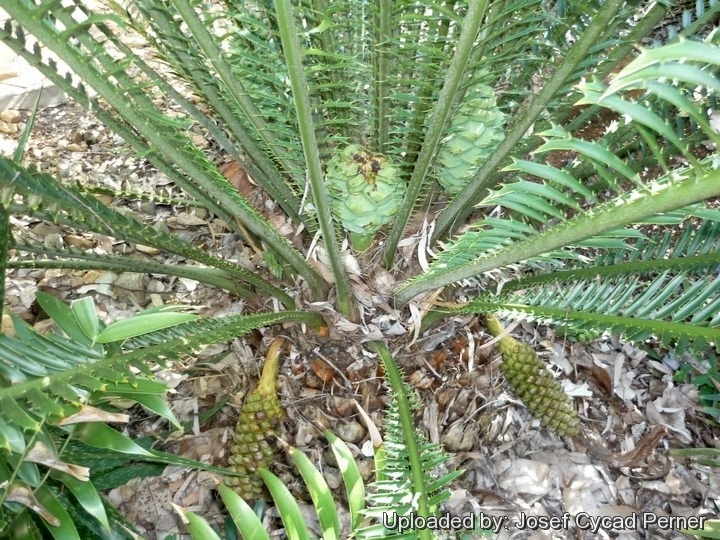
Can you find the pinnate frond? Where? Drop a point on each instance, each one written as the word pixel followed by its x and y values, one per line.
pixel 407 473
pixel 42 196
pixel 663 287
pixel 55 380
pixel 133 113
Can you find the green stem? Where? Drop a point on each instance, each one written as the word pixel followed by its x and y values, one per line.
pixel 602 320
pixel 382 71
pixel 705 260
pixel 233 326
pixel 438 121
pixel 303 110
pixel 463 203
pixel 665 198
pixel 393 375
pixel 4 243
pixel 210 276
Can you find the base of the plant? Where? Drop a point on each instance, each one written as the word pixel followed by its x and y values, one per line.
pixel 361 242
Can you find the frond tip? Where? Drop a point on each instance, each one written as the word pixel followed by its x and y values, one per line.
pixel 407 471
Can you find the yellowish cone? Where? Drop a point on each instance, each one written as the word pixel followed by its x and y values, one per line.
pixel 533 383
pixel 253 443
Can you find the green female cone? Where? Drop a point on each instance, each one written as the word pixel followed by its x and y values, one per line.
pixel 365 193
pixel 533 384
pixel 253 440
pixel 475 132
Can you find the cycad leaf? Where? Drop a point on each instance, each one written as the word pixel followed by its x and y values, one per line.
pixel 673 61
pixel 164 139
pixel 65 529
pixel 87 496
pixel 407 481
pixel 673 295
pixel 245 519
pixel 354 485
pixel 148 393
pixel 492 246
pixel 85 313
pixel 143 324
pixel 63 316
pixel 71 258
pixel 559 139
pixel 44 196
pixel 103 436
pixel 320 493
pixel 288 508
pixel 197 526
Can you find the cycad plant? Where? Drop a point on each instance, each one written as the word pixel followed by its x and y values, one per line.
pixel 446 141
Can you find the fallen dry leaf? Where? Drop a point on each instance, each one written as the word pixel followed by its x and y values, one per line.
pixel 237 176
pixel 322 370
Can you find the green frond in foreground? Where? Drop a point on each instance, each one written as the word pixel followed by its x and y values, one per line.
pixel 576 170
pixel 407 481
pixel 49 382
pixel 134 114
pixel 499 243
pixel 537 218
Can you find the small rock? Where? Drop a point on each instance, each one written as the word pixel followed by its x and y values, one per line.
pixel 148 207
pixel 199 140
pixel 11 116
pixel 147 250
pixel 350 432
pixel 132 281
pixel 333 478
pixel 306 432
pixel 344 407
pixel 75 147
pixel 78 241
pixel 367 469
pixel 184 220
pixel 459 438
pixel 105 199
pixel 131 287
pixel 43 229
pixel 7 327
pixel 9 129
